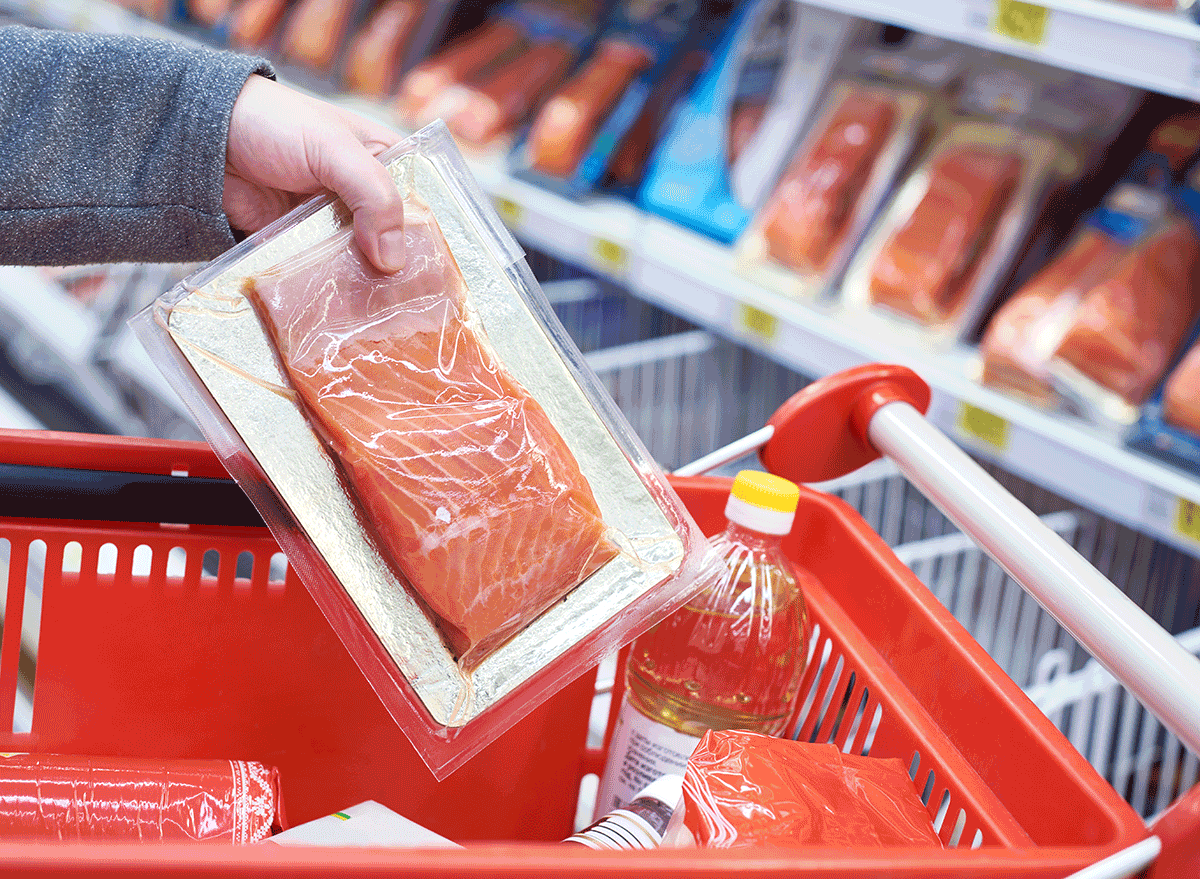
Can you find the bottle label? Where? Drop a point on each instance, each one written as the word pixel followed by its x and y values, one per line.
pixel 642 751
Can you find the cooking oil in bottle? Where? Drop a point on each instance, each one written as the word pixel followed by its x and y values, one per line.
pixel 731 658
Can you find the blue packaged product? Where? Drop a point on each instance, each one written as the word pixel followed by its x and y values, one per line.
pixel 643 62
pixel 731 135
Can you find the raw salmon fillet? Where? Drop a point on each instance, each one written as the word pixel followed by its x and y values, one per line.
pixel 472 494
pixel 1027 330
pixel 923 267
pixel 566 126
pixel 807 217
pixel 1128 327
pixel 1181 397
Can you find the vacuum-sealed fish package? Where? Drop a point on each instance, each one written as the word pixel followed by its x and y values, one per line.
pixel 957 229
pixel 470 511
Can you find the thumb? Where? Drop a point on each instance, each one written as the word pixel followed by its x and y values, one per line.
pixel 348 168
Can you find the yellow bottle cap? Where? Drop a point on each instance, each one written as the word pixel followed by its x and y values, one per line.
pixel 766 491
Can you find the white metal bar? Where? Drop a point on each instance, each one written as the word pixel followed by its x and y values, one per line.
pixel 736 449
pixel 1138 652
pixel 1125 863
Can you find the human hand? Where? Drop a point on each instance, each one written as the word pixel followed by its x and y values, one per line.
pixel 284 147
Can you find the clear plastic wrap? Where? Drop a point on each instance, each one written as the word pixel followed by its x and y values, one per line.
pixel 804 236
pixel 748 790
pixel 471 513
pixel 1095 328
pixel 1022 338
pixel 1127 327
pixel 115 799
pixel 955 230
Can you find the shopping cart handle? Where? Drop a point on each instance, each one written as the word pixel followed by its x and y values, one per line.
pixel 1125 640
pixel 843 421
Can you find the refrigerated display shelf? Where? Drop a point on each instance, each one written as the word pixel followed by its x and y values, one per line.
pixel 1154 50
pixel 695 277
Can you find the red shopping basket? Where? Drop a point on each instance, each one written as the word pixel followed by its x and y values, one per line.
pixel 221 660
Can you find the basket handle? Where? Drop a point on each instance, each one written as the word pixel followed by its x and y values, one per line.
pixel 842 421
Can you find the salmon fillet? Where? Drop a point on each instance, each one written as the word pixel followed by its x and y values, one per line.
pixel 1128 327
pixel 566 126
pixel 1027 330
pixel 807 218
pixel 923 267
pixel 472 494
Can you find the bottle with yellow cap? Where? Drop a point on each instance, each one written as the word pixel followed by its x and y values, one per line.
pixel 731 658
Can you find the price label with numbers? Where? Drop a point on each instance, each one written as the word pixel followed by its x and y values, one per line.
pixel 1022 21
pixel 983 425
pixel 1187 519
pixel 610 256
pixel 510 212
pixel 757 322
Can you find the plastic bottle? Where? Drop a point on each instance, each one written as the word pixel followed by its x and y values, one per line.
pixel 641 824
pixel 731 658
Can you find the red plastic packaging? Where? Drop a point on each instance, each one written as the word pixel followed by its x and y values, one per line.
pixel 70 798
pixel 745 789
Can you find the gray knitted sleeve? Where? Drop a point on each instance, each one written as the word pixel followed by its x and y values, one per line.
pixel 112 148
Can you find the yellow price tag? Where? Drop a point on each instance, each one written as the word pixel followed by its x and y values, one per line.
pixel 1187 519
pixel 758 322
pixel 510 212
pixel 983 425
pixel 611 256
pixel 1021 21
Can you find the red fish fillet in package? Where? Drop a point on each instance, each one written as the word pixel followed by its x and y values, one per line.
pixel 1027 330
pixel 471 493
pixel 744 790
pixel 808 216
pixel 925 267
pixel 1128 327
pixel 69 798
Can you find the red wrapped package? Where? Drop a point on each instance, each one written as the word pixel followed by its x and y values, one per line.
pixel 1128 327
pixel 807 217
pixel 50 796
pixel 472 494
pixel 926 265
pixel 567 125
pixel 744 789
pixel 377 51
pixel 1027 330
pixel 1181 396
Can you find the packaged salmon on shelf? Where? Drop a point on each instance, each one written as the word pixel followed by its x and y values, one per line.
pixel 957 228
pixel 469 510
pixel 1092 332
pixel 392 38
pixel 864 133
pixel 490 81
pixel 583 127
pixel 732 133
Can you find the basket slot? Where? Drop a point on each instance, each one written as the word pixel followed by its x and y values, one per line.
pixel 10 646
pixel 835 710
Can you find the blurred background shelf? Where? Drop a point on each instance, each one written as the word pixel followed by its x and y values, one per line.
pixel 1154 50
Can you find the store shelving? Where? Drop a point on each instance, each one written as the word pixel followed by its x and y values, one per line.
pixel 695 277
pixel 1152 50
